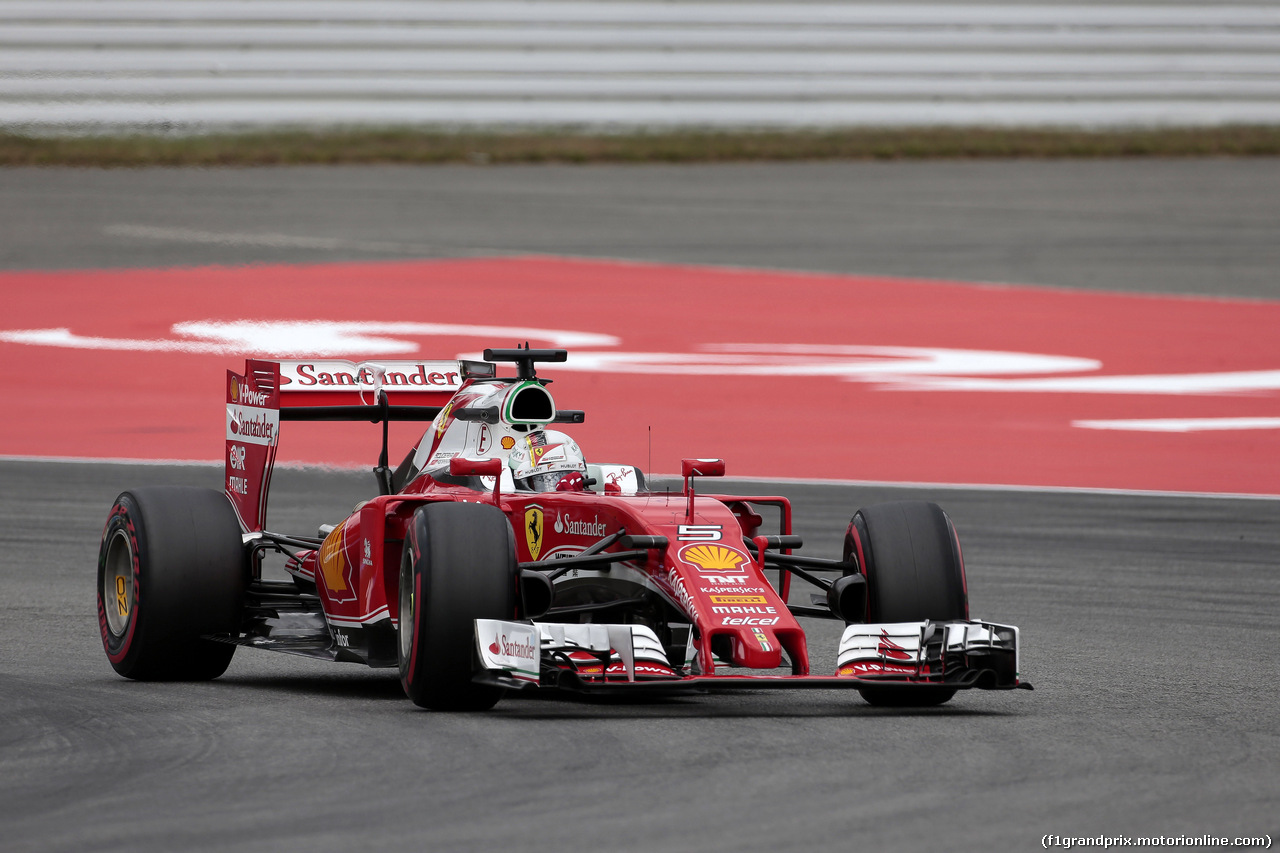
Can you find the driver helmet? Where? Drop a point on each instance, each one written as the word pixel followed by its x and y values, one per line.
pixel 540 460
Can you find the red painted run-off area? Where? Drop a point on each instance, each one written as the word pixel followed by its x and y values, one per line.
pixel 90 401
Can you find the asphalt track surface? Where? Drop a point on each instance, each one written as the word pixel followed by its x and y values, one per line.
pixel 1149 622
pixel 1163 226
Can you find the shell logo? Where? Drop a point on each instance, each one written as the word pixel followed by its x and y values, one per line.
pixel 332 562
pixel 335 570
pixel 235 389
pixel 714 558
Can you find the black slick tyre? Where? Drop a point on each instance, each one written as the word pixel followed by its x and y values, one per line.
pixel 910 555
pixel 458 565
pixel 172 569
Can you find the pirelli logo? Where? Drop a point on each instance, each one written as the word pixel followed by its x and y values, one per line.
pixel 738 599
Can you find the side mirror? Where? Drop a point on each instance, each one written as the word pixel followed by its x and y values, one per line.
pixel 690 468
pixel 701 467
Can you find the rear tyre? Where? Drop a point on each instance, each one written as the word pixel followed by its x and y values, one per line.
pixel 911 557
pixel 171 569
pixel 458 565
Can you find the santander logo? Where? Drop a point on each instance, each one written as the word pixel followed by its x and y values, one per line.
pixel 260 427
pixel 594 527
pixel 521 649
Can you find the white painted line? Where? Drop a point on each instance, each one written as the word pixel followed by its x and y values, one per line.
pixel 308 338
pixel 271 240
pixel 1234 382
pixel 1181 424
pixel 267 240
pixel 89 460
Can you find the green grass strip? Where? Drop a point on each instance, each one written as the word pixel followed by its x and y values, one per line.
pixel 413 146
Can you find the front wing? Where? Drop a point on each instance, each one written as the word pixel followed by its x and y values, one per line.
pixel 595 658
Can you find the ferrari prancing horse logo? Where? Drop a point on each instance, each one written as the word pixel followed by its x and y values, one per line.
pixel 533 530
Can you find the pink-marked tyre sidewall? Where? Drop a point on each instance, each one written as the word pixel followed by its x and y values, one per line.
pixel 458 565
pixel 172 570
pixel 910 555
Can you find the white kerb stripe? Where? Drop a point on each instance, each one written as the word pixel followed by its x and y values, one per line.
pixel 1181 424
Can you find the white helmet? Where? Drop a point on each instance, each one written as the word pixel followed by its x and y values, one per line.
pixel 542 458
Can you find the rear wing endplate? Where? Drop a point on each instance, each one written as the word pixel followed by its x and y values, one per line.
pixel 324 390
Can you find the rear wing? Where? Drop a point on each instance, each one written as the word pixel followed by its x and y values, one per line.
pixel 324 390
pixel 330 382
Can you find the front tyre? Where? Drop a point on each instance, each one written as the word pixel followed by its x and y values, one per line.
pixel 171 569
pixel 911 557
pixel 458 565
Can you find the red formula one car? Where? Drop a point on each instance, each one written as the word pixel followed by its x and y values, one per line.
pixel 496 559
